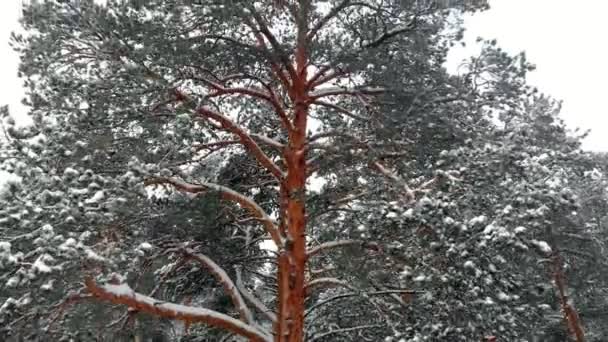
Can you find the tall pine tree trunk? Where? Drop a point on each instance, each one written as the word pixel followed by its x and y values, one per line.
pixel 292 261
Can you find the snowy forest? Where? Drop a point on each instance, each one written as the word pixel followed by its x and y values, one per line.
pixel 289 171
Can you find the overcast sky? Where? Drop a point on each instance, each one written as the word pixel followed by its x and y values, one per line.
pixel 565 39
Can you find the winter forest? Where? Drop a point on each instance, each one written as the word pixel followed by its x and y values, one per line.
pixel 289 171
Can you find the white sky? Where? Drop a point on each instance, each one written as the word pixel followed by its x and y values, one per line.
pixel 565 39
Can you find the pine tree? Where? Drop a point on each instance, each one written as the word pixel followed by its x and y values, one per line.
pixel 223 114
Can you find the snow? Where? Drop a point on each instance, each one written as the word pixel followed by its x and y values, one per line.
pixel 123 290
pixel 520 229
pixel 40 265
pixel 542 246
pixel 48 285
pixel 145 246
pixel 503 296
pixel 12 282
pixel 409 214
pixel 97 197
pixel 477 220
pixel 5 247
pixel 68 244
pixel 91 255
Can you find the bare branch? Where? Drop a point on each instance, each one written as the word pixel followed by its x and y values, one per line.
pixel 123 294
pixel 227 194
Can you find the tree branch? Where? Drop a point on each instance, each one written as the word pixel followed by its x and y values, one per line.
pixel 220 274
pixel 246 139
pixel 334 91
pixel 354 294
pixel 274 43
pixel 332 13
pixel 252 299
pixel 343 330
pixel 410 196
pixel 339 243
pixel 339 109
pixel 227 194
pixel 327 281
pixel 390 34
pixel 269 97
pixel 123 294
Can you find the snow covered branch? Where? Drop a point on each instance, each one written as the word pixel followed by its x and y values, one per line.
pixel 327 281
pixel 409 193
pixel 339 109
pixel 354 294
pixel 221 275
pixel 335 91
pixel 262 28
pixel 227 194
pixel 339 243
pixel 269 96
pixel 123 294
pixel 253 299
pixel 343 330
pixel 390 34
pixel 246 139
pixel 329 16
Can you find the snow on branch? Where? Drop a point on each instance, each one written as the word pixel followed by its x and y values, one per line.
pixel 246 139
pixel 343 330
pixel 335 91
pixel 262 28
pixel 390 34
pixel 355 294
pixel 123 294
pixel 327 281
pixel 339 109
pixel 329 16
pixel 339 243
pixel 253 299
pixel 409 193
pixel 221 121
pixel 220 274
pixel 268 96
pixel 228 194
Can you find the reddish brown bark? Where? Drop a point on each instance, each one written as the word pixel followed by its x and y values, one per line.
pixel 571 318
pixel 185 314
